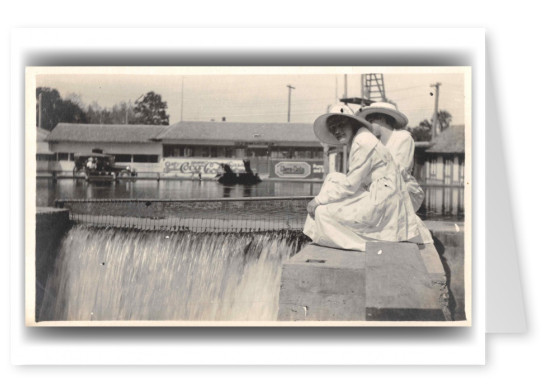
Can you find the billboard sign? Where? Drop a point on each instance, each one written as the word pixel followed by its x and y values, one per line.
pixel 207 167
pixel 296 169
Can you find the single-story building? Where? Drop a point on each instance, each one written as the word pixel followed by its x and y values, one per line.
pixel 444 160
pixel 441 169
pixel 131 144
pixel 280 150
pixel 44 157
pixel 277 150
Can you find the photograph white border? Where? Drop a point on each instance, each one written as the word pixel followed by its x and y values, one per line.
pixel 31 75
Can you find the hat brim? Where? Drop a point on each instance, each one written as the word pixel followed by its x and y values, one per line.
pixel 400 118
pixel 322 131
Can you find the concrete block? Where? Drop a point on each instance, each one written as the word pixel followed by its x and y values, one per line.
pixel 401 285
pixel 322 284
pixel 51 225
pixel 389 282
pixel 432 262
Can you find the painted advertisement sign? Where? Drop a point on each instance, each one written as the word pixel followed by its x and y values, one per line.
pixel 296 169
pixel 208 168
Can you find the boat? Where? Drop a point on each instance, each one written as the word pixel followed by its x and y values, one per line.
pixel 245 178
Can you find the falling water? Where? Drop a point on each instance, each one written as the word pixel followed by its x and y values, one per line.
pixel 115 274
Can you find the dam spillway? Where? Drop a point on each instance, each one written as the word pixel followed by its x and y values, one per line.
pixel 186 261
pixel 119 274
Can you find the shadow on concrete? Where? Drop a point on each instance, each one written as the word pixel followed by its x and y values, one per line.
pixel 456 313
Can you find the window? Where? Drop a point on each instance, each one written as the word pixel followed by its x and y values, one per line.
pixel 229 152
pixel 302 154
pixel 462 172
pixel 177 151
pixel 280 153
pixel 240 153
pixel 433 169
pixel 62 156
pixel 123 158
pixel 202 151
pixel 168 151
pixel 455 171
pixel 317 154
pixel 146 158
pixel 448 164
pixel 44 157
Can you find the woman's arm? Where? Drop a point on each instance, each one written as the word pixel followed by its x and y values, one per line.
pixel 338 188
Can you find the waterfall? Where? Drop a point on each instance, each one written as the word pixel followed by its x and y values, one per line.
pixel 118 274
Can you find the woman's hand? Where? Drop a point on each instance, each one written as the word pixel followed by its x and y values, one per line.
pixel 311 208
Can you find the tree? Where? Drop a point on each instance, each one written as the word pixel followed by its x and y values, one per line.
pixel 423 131
pixel 121 113
pixel 55 110
pixel 76 99
pixel 444 119
pixel 151 110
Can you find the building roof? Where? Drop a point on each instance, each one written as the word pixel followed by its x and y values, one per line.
pixel 240 131
pixel 42 147
pixel 105 133
pixel 41 134
pixel 451 140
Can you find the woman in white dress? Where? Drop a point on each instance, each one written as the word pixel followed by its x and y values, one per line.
pixel 371 201
pixel 388 120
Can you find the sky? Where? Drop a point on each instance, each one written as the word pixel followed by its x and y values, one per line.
pixel 247 97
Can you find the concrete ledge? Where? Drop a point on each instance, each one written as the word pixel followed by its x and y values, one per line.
pixel 404 283
pixel 389 282
pixel 51 225
pixel 321 283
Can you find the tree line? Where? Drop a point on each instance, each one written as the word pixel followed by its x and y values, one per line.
pixel 148 109
pixel 51 109
pixel 423 131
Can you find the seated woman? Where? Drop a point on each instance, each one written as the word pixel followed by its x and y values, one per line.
pixel 388 120
pixel 371 201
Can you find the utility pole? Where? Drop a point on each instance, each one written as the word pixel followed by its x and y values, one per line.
pixel 345 86
pixel 40 110
pixel 128 108
pixel 435 116
pixel 182 102
pixel 290 87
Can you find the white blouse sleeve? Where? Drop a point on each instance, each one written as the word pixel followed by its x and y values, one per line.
pixel 339 187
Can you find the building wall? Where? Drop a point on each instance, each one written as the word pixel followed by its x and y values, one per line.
pixel 443 169
pixel 260 156
pixel 442 176
pixel 109 148
pixel 66 163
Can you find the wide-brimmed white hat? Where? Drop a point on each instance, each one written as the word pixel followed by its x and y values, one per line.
pixel 320 124
pixel 384 108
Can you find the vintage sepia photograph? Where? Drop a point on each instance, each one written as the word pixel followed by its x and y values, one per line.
pixel 248 196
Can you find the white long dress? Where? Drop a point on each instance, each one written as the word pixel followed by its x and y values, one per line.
pixel 370 202
pixel 402 148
